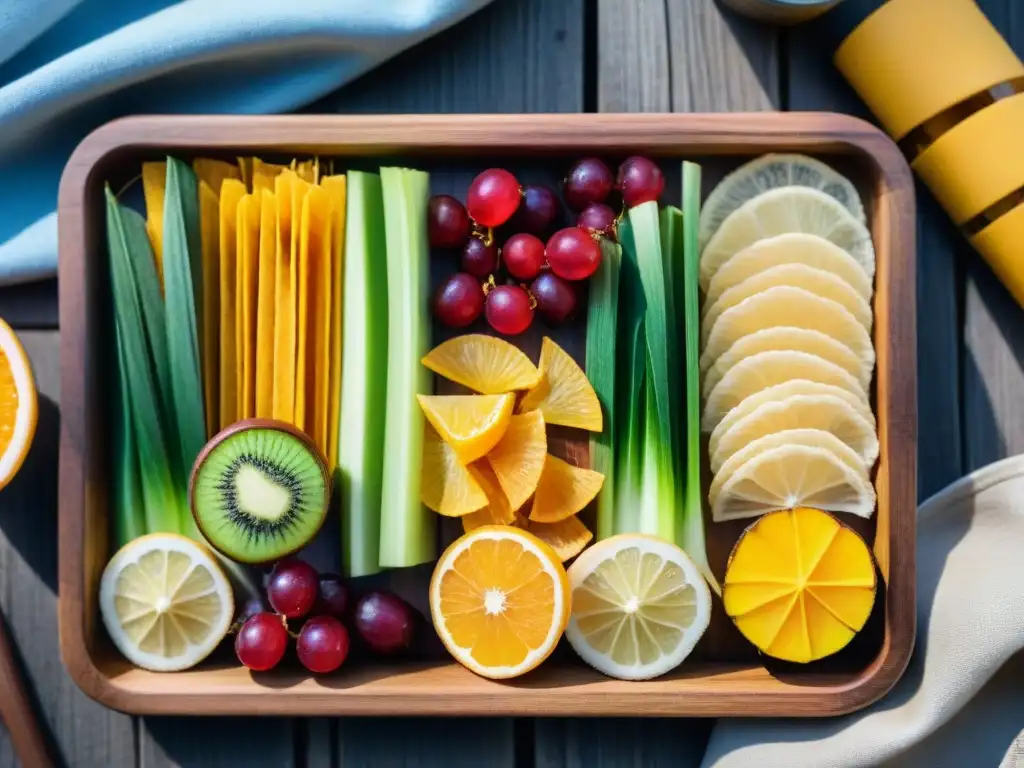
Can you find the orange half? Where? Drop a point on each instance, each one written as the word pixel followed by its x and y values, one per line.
pixel 18 404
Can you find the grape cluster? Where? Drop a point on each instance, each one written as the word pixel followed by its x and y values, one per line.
pixel 296 591
pixel 539 264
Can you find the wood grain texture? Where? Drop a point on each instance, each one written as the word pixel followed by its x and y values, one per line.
pixel 446 689
pixel 225 742
pixel 80 732
pixel 621 743
pixel 425 743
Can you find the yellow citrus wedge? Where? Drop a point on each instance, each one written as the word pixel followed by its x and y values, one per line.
pixel 785 305
pixel 563 490
pixel 518 459
pixel 19 407
pixel 446 486
pixel 789 476
pixel 814 438
pixel 787 209
pixel 772 171
pixel 165 602
pixel 471 424
pixel 567 537
pixel 768 369
pixel 816 281
pixel 782 392
pixel 639 606
pixel 799 584
pixel 791 248
pixel 497 510
pixel 499 600
pixel 782 339
pixel 564 394
pixel 825 412
pixel 485 364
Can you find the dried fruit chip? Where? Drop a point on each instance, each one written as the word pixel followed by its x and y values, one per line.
pixel 497 511
pixel 563 490
pixel 564 394
pixel 485 364
pixel 518 459
pixel 446 486
pixel 470 424
pixel 567 537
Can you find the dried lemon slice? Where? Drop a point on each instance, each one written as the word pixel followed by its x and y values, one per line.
pixel 816 281
pixel 799 585
pixel 767 369
pixel 563 490
pixel 485 364
pixel 564 394
pixel 794 475
pixel 792 307
pixel 787 209
pixel 781 339
pixel 518 459
pixel 471 424
pixel 446 486
pixel 772 171
pixel 790 248
pixel 826 412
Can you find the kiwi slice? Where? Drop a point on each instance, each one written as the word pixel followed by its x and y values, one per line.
pixel 259 490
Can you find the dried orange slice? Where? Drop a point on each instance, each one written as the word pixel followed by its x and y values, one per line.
pixel 567 537
pixel 518 459
pixel 485 364
pixel 799 584
pixel 470 424
pixel 18 404
pixel 564 394
pixel 497 510
pixel 563 490
pixel 446 486
pixel 499 599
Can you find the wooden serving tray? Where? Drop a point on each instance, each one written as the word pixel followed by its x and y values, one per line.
pixel 725 676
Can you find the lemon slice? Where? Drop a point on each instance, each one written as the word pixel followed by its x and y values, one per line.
pixel 485 364
pixel 782 339
pixel 784 391
pixel 767 369
pixel 787 209
pixel 770 172
pixel 165 602
pixel 18 404
pixel 791 248
pixel 826 412
pixel 785 305
pixel 639 606
pixel 816 281
pixel 793 475
pixel 471 424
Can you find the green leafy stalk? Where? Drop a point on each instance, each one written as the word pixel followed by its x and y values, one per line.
pixel 364 361
pixel 602 320
pixel 691 533
pixel 407 528
pixel 129 505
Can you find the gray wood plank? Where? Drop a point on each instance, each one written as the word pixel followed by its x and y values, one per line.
pixel 815 84
pixel 425 743
pixel 33 305
pixel 621 743
pixel 83 732
pixel 216 741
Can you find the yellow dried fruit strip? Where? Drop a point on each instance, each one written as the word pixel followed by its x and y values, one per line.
pixel 209 359
pixel 313 296
pixel 154 185
pixel 264 175
pixel 266 305
pixel 215 172
pixel 250 214
pixel 331 385
pixel 232 193
pixel 291 192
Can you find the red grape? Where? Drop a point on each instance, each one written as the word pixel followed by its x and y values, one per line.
pixel 250 608
pixel 556 298
pixel 459 301
pixel 479 258
pixel 538 211
pixel 333 597
pixel 589 181
pixel 573 254
pixel 508 309
pixel 523 256
pixel 384 621
pixel 447 222
pixel 261 642
pixel 292 588
pixel 599 218
pixel 322 645
pixel 640 180
pixel 493 197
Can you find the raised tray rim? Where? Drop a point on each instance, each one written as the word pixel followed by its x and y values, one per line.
pixel 444 690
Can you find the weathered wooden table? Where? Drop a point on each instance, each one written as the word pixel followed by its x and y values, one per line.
pixel 529 56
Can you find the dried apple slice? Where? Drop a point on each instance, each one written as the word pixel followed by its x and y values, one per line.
pixel 563 490
pixel 497 510
pixel 567 537
pixel 518 459
pixel 485 364
pixel 564 394
pixel 446 486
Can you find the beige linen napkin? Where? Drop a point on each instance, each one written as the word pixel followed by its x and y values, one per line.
pixel 961 701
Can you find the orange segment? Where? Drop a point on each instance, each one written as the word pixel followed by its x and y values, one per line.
pixel 567 537
pixel 446 486
pixel 563 490
pixel 18 404
pixel 499 600
pixel 564 394
pixel 471 424
pixel 496 510
pixel 518 459
pixel 485 364
pixel 799 584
